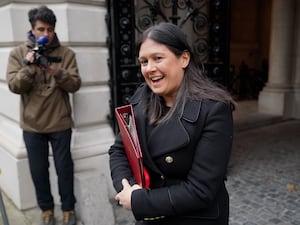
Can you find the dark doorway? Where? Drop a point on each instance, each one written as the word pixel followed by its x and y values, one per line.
pixel 249 47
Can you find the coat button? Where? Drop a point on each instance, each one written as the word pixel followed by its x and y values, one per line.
pixel 169 159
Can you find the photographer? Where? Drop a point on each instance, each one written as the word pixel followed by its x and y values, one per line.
pixel 44 85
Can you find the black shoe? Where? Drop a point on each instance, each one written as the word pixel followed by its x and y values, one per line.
pixel 48 218
pixel 69 217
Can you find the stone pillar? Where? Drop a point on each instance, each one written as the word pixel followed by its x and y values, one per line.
pixel 272 98
pixel 297 48
pixel 82 27
pixel 293 104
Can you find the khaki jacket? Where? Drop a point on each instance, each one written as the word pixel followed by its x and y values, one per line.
pixel 44 99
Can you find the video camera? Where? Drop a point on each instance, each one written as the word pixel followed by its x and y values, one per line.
pixel 40 59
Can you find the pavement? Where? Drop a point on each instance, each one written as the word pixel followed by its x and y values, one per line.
pixel 263 175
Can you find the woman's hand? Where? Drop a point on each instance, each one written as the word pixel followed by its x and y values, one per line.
pixel 124 196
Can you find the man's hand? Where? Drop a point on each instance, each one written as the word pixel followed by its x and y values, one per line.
pixel 53 69
pixel 124 196
pixel 29 59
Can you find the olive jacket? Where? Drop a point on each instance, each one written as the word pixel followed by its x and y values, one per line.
pixel 187 158
pixel 44 99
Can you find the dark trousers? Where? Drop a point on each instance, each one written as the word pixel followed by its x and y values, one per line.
pixel 37 145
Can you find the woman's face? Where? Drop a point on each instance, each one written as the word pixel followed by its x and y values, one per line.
pixel 162 69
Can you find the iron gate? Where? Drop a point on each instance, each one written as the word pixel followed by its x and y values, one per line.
pixel 207 23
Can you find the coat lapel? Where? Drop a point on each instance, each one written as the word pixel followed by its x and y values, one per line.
pixel 141 125
pixel 173 135
pixel 167 137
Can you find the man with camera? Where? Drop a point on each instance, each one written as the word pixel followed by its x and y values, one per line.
pixel 43 73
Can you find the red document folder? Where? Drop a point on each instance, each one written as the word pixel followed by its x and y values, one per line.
pixel 126 123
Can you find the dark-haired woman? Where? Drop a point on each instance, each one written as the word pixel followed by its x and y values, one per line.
pixel 185 127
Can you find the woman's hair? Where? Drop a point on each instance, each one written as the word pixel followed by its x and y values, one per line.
pixel 43 13
pixel 195 85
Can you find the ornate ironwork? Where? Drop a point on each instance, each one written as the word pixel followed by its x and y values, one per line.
pixel 205 21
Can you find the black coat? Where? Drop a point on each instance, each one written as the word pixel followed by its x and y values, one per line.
pixel 187 158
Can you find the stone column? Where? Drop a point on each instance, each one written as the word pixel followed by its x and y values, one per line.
pixel 297 47
pixel 292 109
pixel 272 98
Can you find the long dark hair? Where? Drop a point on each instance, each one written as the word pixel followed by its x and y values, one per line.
pixel 195 85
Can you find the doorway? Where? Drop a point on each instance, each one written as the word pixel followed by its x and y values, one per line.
pixel 249 47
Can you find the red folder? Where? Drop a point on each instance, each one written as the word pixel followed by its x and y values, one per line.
pixel 126 123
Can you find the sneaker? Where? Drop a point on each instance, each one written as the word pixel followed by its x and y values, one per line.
pixel 48 218
pixel 69 217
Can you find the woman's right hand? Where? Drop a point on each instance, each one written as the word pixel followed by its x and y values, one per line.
pixel 124 196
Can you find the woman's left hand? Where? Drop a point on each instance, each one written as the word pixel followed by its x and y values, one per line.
pixel 124 196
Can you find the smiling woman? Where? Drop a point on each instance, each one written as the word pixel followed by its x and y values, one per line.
pixel 185 127
pixel 163 71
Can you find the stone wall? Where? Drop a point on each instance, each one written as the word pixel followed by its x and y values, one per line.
pixel 80 25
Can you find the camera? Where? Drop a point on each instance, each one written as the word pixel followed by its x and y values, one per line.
pixel 39 58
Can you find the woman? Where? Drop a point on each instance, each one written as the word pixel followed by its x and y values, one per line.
pixel 185 127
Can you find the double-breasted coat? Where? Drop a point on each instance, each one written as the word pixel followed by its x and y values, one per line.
pixel 187 158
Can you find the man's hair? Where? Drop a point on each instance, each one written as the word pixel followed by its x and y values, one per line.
pixel 42 13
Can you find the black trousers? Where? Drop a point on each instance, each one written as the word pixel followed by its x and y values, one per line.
pixel 37 145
